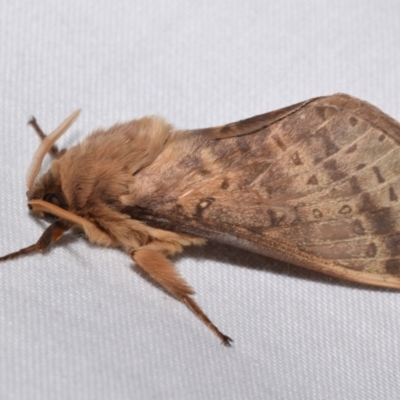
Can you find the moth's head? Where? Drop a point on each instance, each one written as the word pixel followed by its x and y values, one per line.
pixel 48 186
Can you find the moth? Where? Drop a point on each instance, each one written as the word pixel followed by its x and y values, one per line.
pixel 316 184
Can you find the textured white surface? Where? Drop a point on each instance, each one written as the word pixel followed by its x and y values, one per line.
pixel 78 322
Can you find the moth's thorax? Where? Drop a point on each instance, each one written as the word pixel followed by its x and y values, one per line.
pixel 94 175
pixel 102 167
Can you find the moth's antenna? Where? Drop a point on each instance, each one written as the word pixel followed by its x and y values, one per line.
pixel 46 144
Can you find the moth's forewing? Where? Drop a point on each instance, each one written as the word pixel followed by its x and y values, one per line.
pixel 318 187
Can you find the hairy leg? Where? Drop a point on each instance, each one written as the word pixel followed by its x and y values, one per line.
pixel 164 272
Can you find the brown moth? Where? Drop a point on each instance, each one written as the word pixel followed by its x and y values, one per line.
pixel 315 184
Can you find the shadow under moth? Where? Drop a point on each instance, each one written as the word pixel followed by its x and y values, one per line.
pixel 316 184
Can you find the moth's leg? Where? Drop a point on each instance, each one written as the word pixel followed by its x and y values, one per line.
pixel 54 152
pixel 50 235
pixel 165 274
pixel 226 340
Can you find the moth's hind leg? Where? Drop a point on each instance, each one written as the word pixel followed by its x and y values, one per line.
pixel 153 262
pixel 54 152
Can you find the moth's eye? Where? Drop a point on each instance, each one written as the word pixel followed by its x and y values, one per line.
pixel 52 198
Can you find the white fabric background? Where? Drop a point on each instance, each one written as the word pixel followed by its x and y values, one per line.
pixel 78 322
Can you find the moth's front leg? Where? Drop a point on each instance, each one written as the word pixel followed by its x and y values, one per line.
pixel 164 272
pixel 52 233
pixel 54 152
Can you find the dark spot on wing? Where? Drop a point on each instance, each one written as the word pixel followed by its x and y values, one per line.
pixel 313 180
pixel 317 214
pixel 274 218
pixel 360 166
pixel 297 219
pixel 352 148
pixel 381 221
pixel 393 266
pixel 242 144
pixel 256 229
pixel 190 162
pixel 358 227
pixel 355 187
pixel 371 250
pixel 346 209
pixel 204 172
pixel 318 159
pixel 379 177
pixel 334 172
pixel 330 146
pixel 296 159
pixel 280 143
pixel 321 112
pixel 392 195
pixel 225 184
pixel 202 205
pixel 382 137
pixel 392 243
pixel 366 203
pixel 270 190
pixel 353 121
